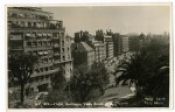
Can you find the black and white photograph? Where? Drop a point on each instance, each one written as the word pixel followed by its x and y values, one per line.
pixel 114 56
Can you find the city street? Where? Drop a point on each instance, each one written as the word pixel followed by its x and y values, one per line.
pixel 113 91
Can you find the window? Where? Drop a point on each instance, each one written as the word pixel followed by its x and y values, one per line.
pixel 45 43
pixel 29 24
pixel 34 44
pixel 51 68
pixel 16 44
pixel 34 24
pixel 46 69
pixel 54 34
pixel 39 43
pixel 63 57
pixel 34 52
pixel 70 69
pixel 41 69
pixel 48 43
pixel 37 70
pixel 62 33
pixel 62 42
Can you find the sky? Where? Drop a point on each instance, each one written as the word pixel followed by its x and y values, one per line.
pixel 121 19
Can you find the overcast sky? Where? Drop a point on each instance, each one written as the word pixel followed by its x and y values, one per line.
pixel 122 19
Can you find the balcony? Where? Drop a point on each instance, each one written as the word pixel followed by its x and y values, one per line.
pixel 56 54
pixel 27 16
pixel 53 24
pixel 57 61
pixel 37 30
pixel 44 73
pixel 56 45
pixel 16 37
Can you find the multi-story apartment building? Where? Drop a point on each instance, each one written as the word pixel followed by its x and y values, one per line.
pixel 82 54
pixel 109 46
pixel 100 51
pixel 121 44
pixel 34 30
pixel 117 40
pixel 125 43
pixel 134 42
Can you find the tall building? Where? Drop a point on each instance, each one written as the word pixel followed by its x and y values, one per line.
pixel 34 30
pixel 83 54
pixel 125 43
pixel 134 42
pixel 121 44
pixel 117 40
pixel 100 50
pixel 109 46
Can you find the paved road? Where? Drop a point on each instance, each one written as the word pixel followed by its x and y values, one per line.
pixel 119 91
pixel 115 92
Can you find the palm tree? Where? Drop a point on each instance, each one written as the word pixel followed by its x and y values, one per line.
pixel 148 69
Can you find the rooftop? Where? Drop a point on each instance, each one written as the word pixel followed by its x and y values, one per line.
pixel 81 47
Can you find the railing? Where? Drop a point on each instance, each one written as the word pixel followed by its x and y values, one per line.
pixel 44 73
pixel 15 37
pixel 53 24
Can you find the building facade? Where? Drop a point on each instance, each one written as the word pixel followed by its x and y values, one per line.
pixel 121 44
pixel 109 46
pixel 82 54
pixel 125 43
pixel 34 30
pixel 100 51
pixel 117 40
pixel 134 42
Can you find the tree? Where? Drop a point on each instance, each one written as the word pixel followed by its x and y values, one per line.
pixel 102 74
pixel 21 67
pixel 58 80
pixel 149 70
pixel 58 92
pixel 87 85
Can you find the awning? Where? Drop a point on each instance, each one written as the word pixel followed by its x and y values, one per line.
pixel 40 53
pixel 39 34
pixel 44 34
pixel 28 35
pixel 56 45
pixel 45 52
pixel 21 15
pixel 49 34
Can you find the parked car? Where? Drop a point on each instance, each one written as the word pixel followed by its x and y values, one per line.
pixel 40 97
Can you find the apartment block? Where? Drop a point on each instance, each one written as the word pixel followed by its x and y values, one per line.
pixel 125 43
pixel 100 50
pixel 33 30
pixel 109 46
pixel 83 54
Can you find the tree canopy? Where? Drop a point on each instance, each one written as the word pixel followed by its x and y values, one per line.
pixel 148 69
pixel 86 85
pixel 21 67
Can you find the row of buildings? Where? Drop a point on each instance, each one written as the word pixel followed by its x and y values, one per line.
pixel 34 30
pixel 87 49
